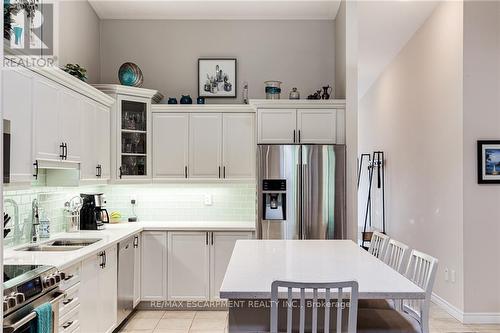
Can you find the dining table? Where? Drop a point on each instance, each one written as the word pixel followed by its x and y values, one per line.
pixel 255 264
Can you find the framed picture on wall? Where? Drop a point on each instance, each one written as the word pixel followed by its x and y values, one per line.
pixel 217 77
pixel 488 161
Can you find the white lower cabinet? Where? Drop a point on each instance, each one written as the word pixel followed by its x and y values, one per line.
pixel 188 266
pixel 222 245
pixel 98 296
pixel 154 266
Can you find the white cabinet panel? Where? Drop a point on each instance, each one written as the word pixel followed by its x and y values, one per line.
pixel 317 126
pixel 70 123
pixel 88 158
pixel 238 145
pixel 188 268
pixel 102 141
pixel 154 266
pixel 137 269
pixel 108 294
pixel 170 145
pixel 46 120
pixel 89 286
pixel 17 98
pixel 205 137
pixel 277 125
pixel 220 254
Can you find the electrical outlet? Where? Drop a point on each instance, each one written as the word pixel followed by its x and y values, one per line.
pixel 208 200
pixel 133 199
pixel 453 276
pixel 446 274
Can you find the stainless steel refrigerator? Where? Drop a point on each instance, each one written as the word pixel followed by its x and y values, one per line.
pixel 301 192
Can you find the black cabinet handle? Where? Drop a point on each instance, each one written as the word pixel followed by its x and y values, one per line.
pixel 97 171
pixel 206 238
pixel 105 259
pixel 212 238
pixel 68 324
pixel 186 171
pixel 36 169
pixel 293 136
pixel 101 255
pixel 65 151
pixel 120 169
pixel 100 170
pixel 219 172
pixel 224 172
pixel 61 148
pixel 299 136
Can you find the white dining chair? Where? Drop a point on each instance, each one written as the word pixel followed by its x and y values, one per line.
pixel 378 244
pixel 320 292
pixel 414 316
pixel 396 255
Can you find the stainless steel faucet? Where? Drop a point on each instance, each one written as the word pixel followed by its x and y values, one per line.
pixel 17 230
pixel 35 221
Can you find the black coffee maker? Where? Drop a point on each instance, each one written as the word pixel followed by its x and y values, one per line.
pixel 93 213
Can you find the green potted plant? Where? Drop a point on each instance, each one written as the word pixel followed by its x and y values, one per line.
pixel 76 70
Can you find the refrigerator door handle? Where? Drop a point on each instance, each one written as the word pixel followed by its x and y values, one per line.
pixel 299 201
pixel 305 200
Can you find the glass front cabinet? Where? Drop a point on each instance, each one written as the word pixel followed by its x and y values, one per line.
pixel 130 132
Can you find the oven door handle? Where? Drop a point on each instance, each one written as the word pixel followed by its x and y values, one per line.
pixel 30 316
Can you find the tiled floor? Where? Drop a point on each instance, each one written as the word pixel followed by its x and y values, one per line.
pixel 216 322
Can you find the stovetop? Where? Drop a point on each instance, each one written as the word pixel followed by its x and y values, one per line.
pixel 12 271
pixel 17 274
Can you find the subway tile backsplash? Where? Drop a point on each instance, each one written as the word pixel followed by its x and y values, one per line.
pixel 166 202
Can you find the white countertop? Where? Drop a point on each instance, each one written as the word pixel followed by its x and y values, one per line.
pixel 255 264
pixel 113 234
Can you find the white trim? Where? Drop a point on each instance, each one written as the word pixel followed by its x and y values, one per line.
pixel 448 307
pixel 119 89
pixel 297 104
pixel 244 108
pixel 466 318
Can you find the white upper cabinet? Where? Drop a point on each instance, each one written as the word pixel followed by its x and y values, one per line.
pixel 188 266
pixel 205 141
pixel 17 95
pixel 317 126
pixel 70 115
pixel 170 145
pixel 277 125
pixel 238 145
pixel 102 142
pixel 88 168
pixel 47 141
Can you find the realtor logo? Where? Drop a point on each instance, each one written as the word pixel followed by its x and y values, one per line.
pixel 28 28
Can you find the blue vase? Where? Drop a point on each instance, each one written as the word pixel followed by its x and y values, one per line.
pixel 186 99
pixel 200 100
pixel 172 100
pixel 130 74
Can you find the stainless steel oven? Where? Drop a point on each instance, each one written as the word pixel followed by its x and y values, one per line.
pixel 25 288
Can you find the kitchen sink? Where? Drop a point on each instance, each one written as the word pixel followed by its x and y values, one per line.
pixel 72 242
pixel 61 245
pixel 49 248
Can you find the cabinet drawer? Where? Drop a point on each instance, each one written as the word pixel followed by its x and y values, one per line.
pixel 72 277
pixel 70 322
pixel 71 300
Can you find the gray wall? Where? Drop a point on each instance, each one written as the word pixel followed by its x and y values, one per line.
pixel 299 53
pixel 79 37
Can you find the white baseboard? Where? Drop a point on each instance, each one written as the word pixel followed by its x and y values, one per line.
pixel 464 317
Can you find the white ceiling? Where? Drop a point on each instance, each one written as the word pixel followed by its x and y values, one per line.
pixel 384 29
pixel 216 10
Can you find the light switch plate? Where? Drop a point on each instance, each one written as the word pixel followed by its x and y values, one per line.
pixel 208 200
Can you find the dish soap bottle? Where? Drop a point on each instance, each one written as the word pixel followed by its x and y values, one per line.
pixel 44 227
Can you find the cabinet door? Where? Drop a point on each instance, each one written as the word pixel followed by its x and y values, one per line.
pixel 46 119
pixel 70 116
pixel 238 145
pixel 103 144
pixel 277 125
pixel 170 145
pixel 205 140
pixel 137 269
pixel 17 95
pixel 317 126
pixel 154 266
pixel 108 295
pixel 89 295
pixel 88 164
pixel 188 269
pixel 222 245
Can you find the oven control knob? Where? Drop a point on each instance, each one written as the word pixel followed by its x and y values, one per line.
pixel 62 275
pixel 57 277
pixel 5 306
pixel 49 282
pixel 11 302
pixel 20 298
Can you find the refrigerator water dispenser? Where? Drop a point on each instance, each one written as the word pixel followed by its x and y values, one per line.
pixel 274 199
